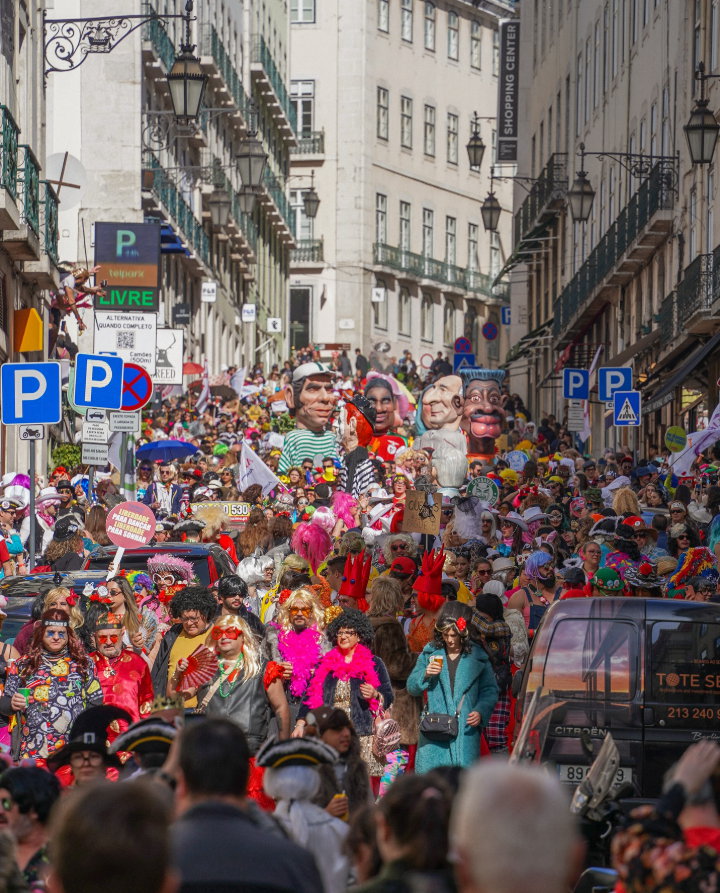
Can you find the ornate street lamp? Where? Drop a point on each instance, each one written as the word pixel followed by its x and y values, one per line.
pixel 476 146
pixel 490 209
pixel 186 79
pixel 219 203
pixel 311 200
pixel 580 197
pixel 702 128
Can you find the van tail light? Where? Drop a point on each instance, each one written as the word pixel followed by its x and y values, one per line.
pixel 212 570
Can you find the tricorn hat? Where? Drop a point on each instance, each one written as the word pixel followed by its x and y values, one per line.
pixel 89 732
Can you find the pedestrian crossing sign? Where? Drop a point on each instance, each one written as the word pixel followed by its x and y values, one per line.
pixel 626 408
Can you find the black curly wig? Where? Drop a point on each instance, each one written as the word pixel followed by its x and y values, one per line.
pixel 194 598
pixel 353 619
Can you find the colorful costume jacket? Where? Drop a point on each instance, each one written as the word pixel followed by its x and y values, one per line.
pixel 125 682
pixel 60 690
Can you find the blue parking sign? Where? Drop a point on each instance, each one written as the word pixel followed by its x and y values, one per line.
pixel 98 381
pixel 576 384
pixel 611 379
pixel 31 393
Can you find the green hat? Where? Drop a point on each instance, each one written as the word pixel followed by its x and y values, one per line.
pixel 592 494
pixel 608 580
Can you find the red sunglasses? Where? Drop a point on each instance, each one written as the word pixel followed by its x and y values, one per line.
pixel 230 632
pixel 111 638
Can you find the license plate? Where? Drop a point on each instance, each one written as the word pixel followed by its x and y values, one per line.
pixel 574 774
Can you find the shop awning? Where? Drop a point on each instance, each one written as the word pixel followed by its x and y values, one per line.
pixel 526 342
pixel 666 390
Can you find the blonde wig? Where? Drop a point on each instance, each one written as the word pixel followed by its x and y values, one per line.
pixel 301 596
pixel 251 650
pixel 385 597
pixel 625 502
pixel 54 596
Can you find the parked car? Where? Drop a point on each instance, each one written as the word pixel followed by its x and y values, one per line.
pixel 210 562
pixel 21 592
pixel 647 670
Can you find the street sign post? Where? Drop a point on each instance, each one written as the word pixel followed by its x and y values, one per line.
pixel 576 415
pixel 611 379
pixel 125 422
pixel 94 454
pixel 462 345
pixel 489 331
pixel 137 388
pixel 463 361
pixel 626 409
pixel 31 394
pixel 95 432
pixel 98 381
pixel 31 432
pixel 576 384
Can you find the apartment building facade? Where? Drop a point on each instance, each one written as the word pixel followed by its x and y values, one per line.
pixel 397 257
pixel 635 284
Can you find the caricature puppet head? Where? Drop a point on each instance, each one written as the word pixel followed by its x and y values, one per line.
pixel 310 396
pixel 441 404
pixel 483 415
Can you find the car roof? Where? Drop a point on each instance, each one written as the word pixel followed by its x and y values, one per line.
pixel 192 549
pixel 607 607
pixel 31 584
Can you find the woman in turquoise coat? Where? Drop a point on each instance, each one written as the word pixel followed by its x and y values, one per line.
pixel 457 677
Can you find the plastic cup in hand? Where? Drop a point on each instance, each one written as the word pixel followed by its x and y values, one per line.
pixel 26 693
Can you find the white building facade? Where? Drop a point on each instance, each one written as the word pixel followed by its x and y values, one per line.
pixel 397 258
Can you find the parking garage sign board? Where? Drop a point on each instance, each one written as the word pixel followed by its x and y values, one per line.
pixel 128 255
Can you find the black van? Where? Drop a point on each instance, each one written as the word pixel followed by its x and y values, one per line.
pixel 647 670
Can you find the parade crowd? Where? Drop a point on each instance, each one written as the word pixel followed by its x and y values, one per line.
pixel 305 683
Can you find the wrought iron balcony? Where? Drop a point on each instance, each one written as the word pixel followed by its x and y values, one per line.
pixel 49 221
pixel 545 200
pixel 307 251
pixel 9 152
pixel 263 62
pixel 312 143
pixel 245 225
pixel 177 207
pixel 212 46
pixel 156 35
pixel 667 319
pixel 633 229
pixel 29 188
pixel 421 267
pixel 275 190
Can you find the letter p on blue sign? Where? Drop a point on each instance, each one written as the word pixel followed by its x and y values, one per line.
pixel 576 384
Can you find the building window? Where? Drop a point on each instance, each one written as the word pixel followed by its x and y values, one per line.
pixel 406 21
pixel 494 254
pixel 473 258
pixel 426 317
pixel 302 12
pixel 383 13
pixel 429 26
pixel 697 35
pixel 429 131
pixel 496 54
pixel 665 138
pixel 302 98
pixel 404 226
pixel 404 312
pixel 449 324
pixel 427 232
pixel 303 224
pixel 709 213
pixel 406 110
pixel 383 108
pixel 380 308
pixel 453 36
pixel 653 129
pixel 615 38
pixel 380 217
pixel 714 37
pixel 452 138
pixel 451 240
pixel 475 44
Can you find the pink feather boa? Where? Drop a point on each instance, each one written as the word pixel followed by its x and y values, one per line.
pixel 360 667
pixel 302 650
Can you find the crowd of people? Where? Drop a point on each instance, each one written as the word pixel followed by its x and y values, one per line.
pixel 314 717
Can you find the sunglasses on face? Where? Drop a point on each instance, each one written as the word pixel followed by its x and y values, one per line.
pixel 398 547
pixel 304 611
pixel 56 633
pixel 483 573
pixel 163 579
pixel 231 632
pixel 683 536
pixel 107 639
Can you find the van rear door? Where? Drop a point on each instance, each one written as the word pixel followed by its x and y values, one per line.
pixel 682 692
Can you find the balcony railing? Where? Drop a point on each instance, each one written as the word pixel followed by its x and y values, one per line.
pixel 178 208
pixel 9 152
pixel 655 194
pixel 277 193
pixel 29 188
pixel 551 186
pixel 667 319
pixel 310 143
pixel 262 55
pixel 155 33
pixel 49 221
pixel 212 45
pixel 243 220
pixel 307 251
pixel 423 267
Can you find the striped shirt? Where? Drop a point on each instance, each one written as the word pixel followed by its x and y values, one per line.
pixel 303 444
